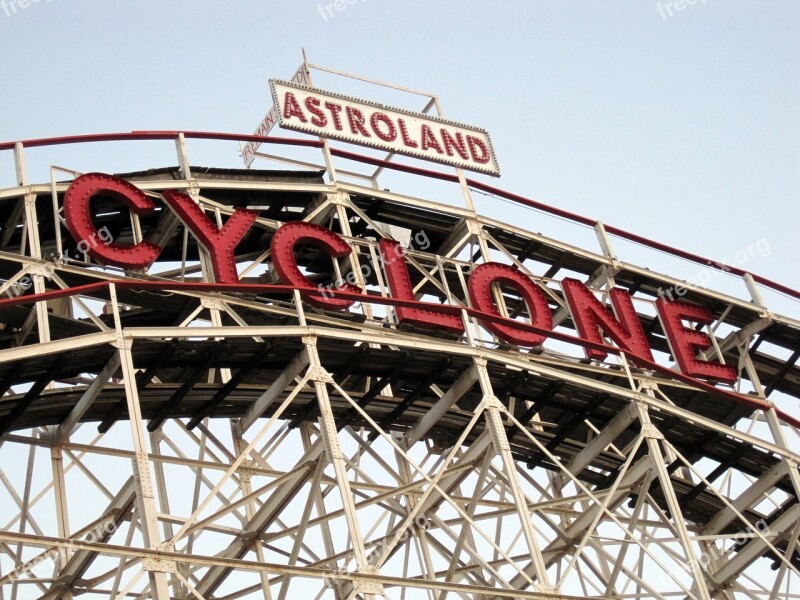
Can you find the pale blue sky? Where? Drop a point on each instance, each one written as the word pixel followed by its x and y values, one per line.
pixel 683 128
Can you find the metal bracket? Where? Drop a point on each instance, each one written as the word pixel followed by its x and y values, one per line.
pixel 43 269
pixel 648 384
pixel 192 190
pixel 156 565
pixel 329 439
pixel 651 432
pixel 481 359
pixel 547 590
pixel 245 470
pixel 474 228
pixel 338 198
pixel 319 374
pixel 143 468
pixel 369 587
pixel 121 342
pixel 212 303
pixel 492 402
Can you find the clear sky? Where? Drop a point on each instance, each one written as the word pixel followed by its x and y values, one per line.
pixel 681 127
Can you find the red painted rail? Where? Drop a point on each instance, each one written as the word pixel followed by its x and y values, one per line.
pixel 478 185
pixel 280 290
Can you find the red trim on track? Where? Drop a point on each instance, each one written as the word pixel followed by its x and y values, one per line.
pixel 748 401
pixel 209 135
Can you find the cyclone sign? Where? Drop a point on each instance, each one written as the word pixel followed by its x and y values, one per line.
pixel 591 317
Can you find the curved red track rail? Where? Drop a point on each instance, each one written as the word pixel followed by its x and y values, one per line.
pixel 478 185
pixel 274 289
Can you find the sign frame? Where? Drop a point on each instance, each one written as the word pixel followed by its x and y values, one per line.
pixel 268 122
pixel 398 129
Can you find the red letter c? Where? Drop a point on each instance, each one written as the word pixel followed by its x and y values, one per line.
pixel 282 250
pixel 77 213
